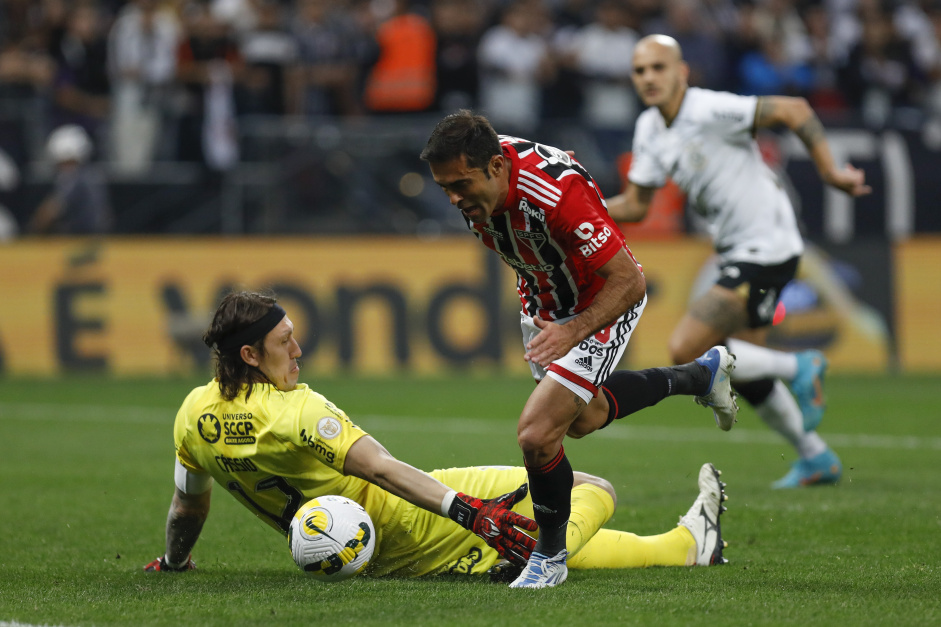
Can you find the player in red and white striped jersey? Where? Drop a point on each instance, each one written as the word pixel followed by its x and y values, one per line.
pixel 582 293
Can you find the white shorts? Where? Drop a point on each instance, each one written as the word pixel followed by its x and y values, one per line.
pixel 586 366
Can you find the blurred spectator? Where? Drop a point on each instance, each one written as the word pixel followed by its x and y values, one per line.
pixel 930 59
pixel 25 68
pixel 769 71
pixel 844 26
pixel 913 23
pixel 78 204
pixel 647 11
pixel 326 79
pixel 562 96
pixel 724 14
pixel 826 55
pixel 82 88
pixel 9 229
pixel 9 181
pixel 14 20
pixel 404 76
pixel 785 25
pixel 208 64
pixel 142 49
pixel 269 51
pixel 241 16
pixel 515 63
pixel 601 53
pixel 574 14
pixel 458 29
pixel 49 21
pixel 745 38
pixel 700 39
pixel 881 72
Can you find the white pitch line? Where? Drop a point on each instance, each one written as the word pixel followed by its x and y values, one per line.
pixel 651 433
pixel 123 414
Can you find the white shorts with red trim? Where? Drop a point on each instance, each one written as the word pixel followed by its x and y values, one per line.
pixel 586 366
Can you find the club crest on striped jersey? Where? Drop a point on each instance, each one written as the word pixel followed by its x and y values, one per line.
pixel 532 239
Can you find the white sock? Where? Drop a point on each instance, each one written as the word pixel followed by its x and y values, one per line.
pixel 753 362
pixel 781 413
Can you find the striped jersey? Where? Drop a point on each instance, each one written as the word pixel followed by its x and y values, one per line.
pixel 554 230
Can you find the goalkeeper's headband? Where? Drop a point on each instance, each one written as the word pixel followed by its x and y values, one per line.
pixel 253 332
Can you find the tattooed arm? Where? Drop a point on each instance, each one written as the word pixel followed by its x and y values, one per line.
pixel 632 204
pixel 796 114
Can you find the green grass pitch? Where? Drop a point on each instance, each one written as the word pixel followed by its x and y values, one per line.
pixel 86 472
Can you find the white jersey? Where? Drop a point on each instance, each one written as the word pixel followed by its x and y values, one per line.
pixel 710 152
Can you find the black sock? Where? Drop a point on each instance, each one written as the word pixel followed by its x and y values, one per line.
pixel 629 391
pixel 691 378
pixel 551 489
pixel 755 392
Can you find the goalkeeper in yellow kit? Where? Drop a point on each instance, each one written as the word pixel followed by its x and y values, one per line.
pixel 274 444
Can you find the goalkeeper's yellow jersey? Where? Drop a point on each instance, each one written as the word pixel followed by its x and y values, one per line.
pixel 273 452
pixel 278 450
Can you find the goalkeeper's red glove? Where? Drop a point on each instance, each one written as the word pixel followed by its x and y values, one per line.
pixel 495 522
pixel 160 565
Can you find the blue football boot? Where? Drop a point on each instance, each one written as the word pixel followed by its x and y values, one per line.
pixel 808 387
pixel 821 469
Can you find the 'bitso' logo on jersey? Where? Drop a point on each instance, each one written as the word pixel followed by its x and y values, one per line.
pixel 593 241
pixel 328 427
pixel 209 428
pixel 585 230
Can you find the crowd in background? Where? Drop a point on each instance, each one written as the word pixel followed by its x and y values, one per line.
pixel 119 68
pixel 173 79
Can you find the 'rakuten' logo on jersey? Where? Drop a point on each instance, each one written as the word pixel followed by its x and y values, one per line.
pixel 593 241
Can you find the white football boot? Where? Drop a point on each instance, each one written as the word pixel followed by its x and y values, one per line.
pixel 702 519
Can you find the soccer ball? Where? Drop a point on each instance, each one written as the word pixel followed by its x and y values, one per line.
pixel 332 538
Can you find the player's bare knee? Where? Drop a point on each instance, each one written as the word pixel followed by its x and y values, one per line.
pixel 604 484
pixel 533 442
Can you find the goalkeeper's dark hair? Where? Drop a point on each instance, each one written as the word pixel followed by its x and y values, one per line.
pixel 463 133
pixel 237 311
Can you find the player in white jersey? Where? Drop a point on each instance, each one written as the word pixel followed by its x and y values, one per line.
pixel 274 443
pixel 704 141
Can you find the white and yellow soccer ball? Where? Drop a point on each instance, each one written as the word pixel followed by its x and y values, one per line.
pixel 332 538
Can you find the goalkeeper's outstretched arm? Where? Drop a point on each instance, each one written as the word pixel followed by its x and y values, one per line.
pixel 491 519
pixel 185 521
